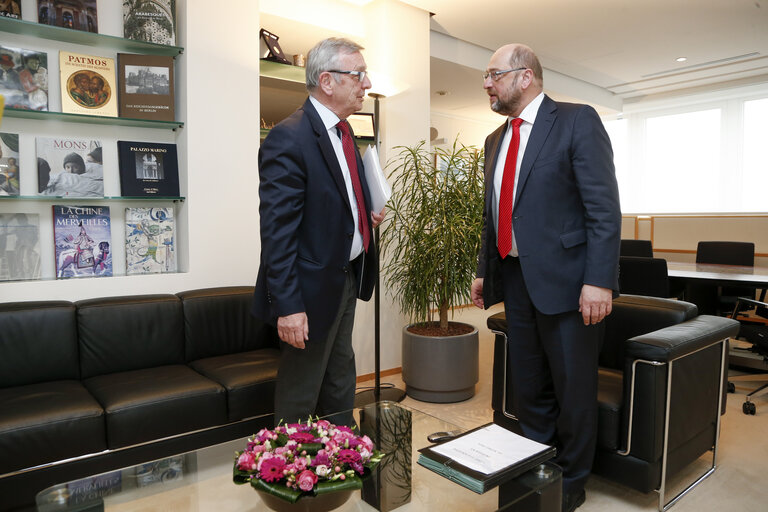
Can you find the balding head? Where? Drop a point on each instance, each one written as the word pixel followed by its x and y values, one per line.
pixel 521 56
pixel 513 80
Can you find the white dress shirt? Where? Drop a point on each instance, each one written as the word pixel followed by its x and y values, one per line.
pixel 528 115
pixel 330 120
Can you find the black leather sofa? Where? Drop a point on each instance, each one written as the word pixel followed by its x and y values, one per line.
pixel 100 384
pixel 646 428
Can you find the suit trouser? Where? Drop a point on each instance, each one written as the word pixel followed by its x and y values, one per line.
pixel 553 368
pixel 320 379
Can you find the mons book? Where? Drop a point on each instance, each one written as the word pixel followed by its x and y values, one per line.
pixel 153 21
pixel 83 241
pixel 148 169
pixel 146 85
pixel 69 167
pixel 149 241
pixel 87 84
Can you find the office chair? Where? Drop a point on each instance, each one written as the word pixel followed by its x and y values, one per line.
pixel 643 276
pixel 723 299
pixel 641 248
pixel 757 334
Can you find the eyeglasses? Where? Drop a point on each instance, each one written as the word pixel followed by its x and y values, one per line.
pixel 495 75
pixel 359 74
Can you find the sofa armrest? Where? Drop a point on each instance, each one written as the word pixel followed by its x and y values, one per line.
pixel 682 339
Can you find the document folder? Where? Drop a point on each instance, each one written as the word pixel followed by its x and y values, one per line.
pixel 523 456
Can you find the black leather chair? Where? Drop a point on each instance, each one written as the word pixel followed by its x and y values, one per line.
pixel 721 300
pixel 643 276
pixel 640 248
pixel 755 332
pixel 661 390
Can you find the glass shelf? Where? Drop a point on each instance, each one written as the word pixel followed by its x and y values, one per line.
pixel 280 71
pixel 114 274
pixel 85 199
pixel 41 115
pixel 29 28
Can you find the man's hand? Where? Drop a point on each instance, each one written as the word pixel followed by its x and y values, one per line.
pixel 377 218
pixel 293 329
pixel 595 303
pixel 476 292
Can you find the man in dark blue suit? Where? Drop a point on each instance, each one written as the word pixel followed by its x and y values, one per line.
pixel 550 251
pixel 317 249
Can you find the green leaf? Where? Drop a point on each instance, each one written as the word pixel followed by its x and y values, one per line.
pixel 281 491
pixel 349 484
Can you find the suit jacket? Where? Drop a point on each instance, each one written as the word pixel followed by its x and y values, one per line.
pixel 307 225
pixel 566 215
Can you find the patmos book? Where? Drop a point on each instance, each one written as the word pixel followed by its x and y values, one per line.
pixel 83 241
pixel 153 21
pixel 148 169
pixel 24 78
pixel 149 241
pixel 19 246
pixel 74 14
pixel 88 84
pixel 9 164
pixel 146 86
pixel 69 167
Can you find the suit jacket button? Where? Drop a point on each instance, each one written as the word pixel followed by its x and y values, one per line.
pixel 351 235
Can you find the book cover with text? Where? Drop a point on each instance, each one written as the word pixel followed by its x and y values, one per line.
pixel 69 167
pixel 82 240
pixel 87 84
pixel 148 169
pixel 153 21
pixel 146 86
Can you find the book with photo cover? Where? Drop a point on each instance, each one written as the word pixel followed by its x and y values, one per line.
pixel 19 246
pixel 9 164
pixel 88 84
pixel 146 86
pixel 149 241
pixel 82 240
pixel 148 169
pixel 74 14
pixel 69 167
pixel 10 9
pixel 24 78
pixel 484 457
pixel 153 21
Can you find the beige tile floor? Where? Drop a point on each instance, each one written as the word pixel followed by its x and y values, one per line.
pixel 740 483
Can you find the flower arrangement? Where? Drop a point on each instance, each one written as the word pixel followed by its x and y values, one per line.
pixel 305 459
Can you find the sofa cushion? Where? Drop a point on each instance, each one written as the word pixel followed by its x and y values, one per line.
pixel 46 422
pixel 38 343
pixel 609 399
pixel 152 403
pixel 248 377
pixel 119 334
pixel 218 321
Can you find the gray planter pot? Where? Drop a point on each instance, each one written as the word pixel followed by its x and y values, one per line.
pixel 440 369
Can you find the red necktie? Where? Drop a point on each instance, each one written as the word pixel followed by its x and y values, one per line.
pixel 349 153
pixel 508 191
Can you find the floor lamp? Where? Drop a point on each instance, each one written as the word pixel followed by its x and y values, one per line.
pixel 377 394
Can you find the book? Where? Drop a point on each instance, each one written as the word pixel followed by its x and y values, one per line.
pixel 153 21
pixel 148 169
pixel 82 241
pixel 146 86
pixel 485 457
pixel 69 167
pixel 90 490
pixel 19 246
pixel 149 241
pixel 74 14
pixel 87 84
pixel 10 8
pixel 9 164
pixel 24 78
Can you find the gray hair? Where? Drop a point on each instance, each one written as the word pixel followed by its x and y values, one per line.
pixel 325 56
pixel 523 57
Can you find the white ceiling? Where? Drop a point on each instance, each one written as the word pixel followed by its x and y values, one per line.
pixel 628 48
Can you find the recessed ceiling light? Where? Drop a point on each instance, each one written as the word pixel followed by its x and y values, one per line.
pixel 681 59
pixel 442 93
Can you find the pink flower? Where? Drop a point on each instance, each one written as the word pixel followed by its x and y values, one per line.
pixel 302 437
pixel 306 480
pixel 321 459
pixel 348 456
pixel 300 464
pixel 246 461
pixel 272 469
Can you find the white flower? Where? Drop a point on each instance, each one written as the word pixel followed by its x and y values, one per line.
pixel 322 470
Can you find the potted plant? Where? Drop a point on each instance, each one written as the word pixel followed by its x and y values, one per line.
pixel 430 243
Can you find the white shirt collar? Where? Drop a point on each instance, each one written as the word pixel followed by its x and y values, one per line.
pixel 330 120
pixel 529 112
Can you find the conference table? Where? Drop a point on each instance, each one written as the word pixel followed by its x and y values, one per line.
pixel 719 275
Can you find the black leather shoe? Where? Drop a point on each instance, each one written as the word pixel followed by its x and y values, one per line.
pixel 572 501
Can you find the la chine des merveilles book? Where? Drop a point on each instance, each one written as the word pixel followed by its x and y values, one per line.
pixel 83 241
